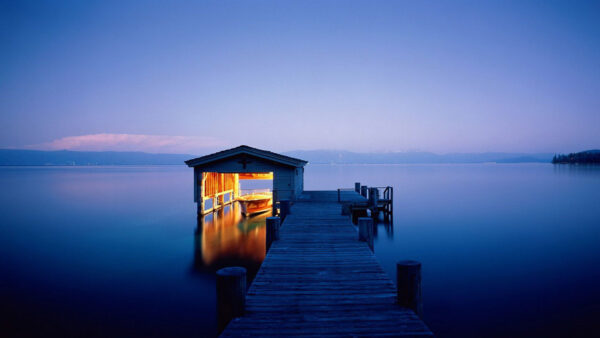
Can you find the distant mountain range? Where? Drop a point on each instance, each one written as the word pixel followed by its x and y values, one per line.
pixel 65 157
pixel 347 157
pixel 15 157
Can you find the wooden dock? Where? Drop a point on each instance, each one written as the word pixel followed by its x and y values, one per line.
pixel 319 280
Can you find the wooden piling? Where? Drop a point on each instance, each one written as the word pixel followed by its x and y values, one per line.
pixel 363 191
pixel 408 283
pixel 358 212
pixel 365 230
pixel 357 187
pixel 373 197
pixel 373 202
pixel 231 294
pixel 284 209
pixel 273 224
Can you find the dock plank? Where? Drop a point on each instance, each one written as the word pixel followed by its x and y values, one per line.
pixel 319 280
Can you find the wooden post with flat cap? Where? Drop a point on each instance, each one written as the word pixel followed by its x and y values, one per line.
pixel 231 294
pixel 408 280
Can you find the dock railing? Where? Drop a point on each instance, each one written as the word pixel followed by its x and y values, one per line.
pixel 217 201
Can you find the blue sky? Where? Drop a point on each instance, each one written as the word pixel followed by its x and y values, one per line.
pixel 193 76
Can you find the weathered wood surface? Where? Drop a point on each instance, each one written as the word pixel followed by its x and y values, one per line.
pixel 331 196
pixel 319 280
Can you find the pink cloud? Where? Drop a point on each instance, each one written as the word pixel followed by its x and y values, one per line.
pixel 131 142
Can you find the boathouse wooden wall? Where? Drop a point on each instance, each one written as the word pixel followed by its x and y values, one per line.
pixel 287 181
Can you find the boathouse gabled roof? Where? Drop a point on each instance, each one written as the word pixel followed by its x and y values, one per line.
pixel 249 151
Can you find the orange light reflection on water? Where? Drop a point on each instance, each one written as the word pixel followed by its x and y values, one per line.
pixel 227 236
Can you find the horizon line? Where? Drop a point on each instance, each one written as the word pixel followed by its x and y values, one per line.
pixel 299 150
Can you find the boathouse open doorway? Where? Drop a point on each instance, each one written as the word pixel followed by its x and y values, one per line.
pixel 219 190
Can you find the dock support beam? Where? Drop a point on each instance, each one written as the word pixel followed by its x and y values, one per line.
pixel 408 282
pixel 363 191
pixel 357 187
pixel 284 209
pixel 231 294
pixel 273 224
pixel 365 231
pixel 358 213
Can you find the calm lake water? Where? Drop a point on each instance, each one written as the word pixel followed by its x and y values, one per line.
pixel 507 250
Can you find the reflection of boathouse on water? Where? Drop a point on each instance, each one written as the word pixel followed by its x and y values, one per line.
pixel 225 237
pixel 223 233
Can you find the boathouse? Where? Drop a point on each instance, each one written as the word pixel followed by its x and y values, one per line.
pixel 217 176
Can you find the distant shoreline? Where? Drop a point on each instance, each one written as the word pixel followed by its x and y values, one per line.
pixel 309 164
pixel 36 158
pixel 90 165
pixel 585 157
